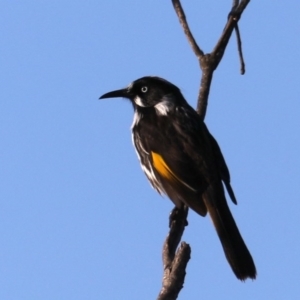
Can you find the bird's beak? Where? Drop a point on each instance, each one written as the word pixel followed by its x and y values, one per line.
pixel 116 94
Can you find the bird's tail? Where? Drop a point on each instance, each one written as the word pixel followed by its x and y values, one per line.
pixel 233 244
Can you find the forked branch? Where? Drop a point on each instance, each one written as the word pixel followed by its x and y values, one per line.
pixel 209 62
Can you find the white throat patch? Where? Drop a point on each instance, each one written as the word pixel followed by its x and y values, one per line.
pixel 136 119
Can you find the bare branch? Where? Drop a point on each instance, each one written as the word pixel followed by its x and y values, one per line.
pixel 182 19
pixel 207 75
pixel 175 262
pixel 209 62
pixel 235 4
pixel 173 282
pixel 239 42
pixel 221 45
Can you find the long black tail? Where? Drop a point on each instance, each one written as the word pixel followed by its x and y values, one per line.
pixel 233 244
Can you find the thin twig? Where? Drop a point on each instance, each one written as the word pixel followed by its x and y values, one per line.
pixel 182 19
pixel 235 5
pixel 209 62
pixel 240 51
pixel 212 60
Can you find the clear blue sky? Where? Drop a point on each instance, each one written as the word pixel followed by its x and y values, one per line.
pixel 78 219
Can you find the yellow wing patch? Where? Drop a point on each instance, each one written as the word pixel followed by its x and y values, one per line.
pixel 163 169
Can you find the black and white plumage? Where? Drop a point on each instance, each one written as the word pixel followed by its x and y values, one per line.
pixel 182 160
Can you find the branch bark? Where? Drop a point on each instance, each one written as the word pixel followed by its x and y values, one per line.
pixel 175 262
pixel 209 62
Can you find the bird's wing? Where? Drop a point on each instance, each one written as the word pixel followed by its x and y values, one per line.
pixel 223 169
pixel 178 157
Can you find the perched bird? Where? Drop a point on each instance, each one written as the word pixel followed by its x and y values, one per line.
pixel 182 160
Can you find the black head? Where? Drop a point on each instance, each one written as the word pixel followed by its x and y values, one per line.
pixel 148 91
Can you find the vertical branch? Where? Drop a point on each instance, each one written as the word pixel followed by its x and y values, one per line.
pixel 207 75
pixel 175 262
pixel 239 43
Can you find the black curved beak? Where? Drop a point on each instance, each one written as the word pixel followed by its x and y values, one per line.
pixel 116 94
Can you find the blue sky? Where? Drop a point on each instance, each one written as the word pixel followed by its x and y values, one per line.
pixel 78 219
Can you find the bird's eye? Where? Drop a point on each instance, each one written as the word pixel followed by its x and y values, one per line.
pixel 144 89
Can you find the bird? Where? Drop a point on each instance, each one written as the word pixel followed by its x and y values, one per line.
pixel 182 160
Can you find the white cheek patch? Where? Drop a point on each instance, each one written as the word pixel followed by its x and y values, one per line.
pixel 163 108
pixel 138 101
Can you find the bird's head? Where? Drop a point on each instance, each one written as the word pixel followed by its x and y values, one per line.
pixel 149 92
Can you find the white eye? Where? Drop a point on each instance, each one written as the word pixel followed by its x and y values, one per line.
pixel 144 89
